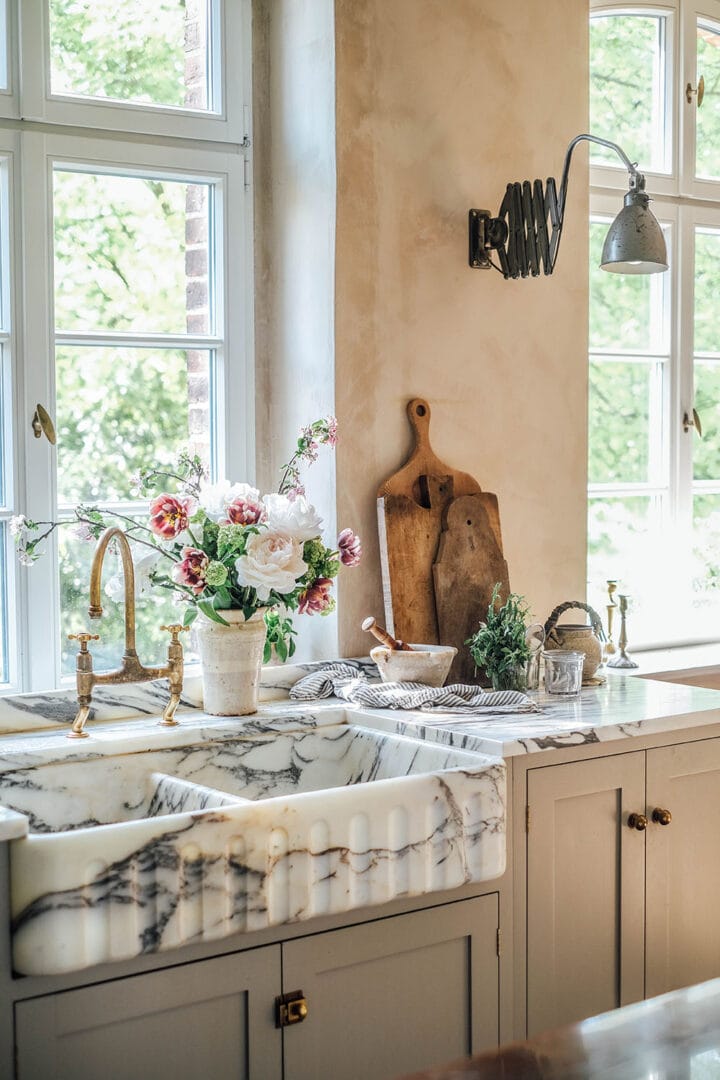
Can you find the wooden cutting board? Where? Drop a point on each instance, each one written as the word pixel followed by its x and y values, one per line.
pixel 410 509
pixel 469 562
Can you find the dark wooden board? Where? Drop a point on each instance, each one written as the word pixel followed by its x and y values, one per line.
pixel 469 562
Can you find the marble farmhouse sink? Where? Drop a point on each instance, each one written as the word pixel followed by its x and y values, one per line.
pixel 135 852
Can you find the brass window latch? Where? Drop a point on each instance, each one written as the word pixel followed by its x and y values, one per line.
pixel 692 422
pixel 42 424
pixel 290 1009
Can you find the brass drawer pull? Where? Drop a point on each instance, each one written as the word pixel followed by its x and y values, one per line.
pixel 661 816
pixel 638 821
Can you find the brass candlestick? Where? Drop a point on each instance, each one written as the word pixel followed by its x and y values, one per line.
pixel 622 660
pixel 611 609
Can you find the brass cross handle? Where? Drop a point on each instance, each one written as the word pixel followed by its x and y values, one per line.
pixel 83 639
pixel 175 629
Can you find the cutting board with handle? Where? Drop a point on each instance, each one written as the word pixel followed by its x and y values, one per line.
pixel 469 562
pixel 410 508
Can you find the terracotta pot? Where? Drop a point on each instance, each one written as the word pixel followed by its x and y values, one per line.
pixel 231 658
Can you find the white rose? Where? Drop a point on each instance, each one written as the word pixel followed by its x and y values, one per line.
pixel 272 560
pixel 215 498
pixel 296 517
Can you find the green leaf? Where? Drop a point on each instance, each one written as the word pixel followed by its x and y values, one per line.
pixel 222 599
pixel 190 615
pixel 209 611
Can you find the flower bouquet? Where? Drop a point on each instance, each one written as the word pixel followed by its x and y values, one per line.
pixel 236 558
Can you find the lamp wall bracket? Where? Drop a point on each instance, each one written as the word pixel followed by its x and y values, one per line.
pixel 478 256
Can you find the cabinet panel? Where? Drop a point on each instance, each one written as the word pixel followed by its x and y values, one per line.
pixel 585 889
pixel 395 995
pixel 683 866
pixel 211 1018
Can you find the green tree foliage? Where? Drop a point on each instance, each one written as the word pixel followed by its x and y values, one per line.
pixel 131 51
pixel 627 314
pixel 119 266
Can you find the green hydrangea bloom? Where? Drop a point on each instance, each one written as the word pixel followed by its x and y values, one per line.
pixel 216 574
pixel 231 540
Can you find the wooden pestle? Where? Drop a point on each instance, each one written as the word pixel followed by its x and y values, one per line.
pixel 386 639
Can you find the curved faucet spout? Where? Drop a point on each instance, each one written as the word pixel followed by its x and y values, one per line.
pixel 95 610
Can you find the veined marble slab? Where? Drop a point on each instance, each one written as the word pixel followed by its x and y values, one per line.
pixel 136 852
pixel 624 708
pixel 52 708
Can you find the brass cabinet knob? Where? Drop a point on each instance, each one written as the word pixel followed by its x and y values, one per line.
pixel 661 816
pixel 638 821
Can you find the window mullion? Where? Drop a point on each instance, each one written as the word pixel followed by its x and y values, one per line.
pixel 39 489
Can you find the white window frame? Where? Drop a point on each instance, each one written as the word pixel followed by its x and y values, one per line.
pixel 189 149
pixel 231 76
pixel 686 202
pixel 615 176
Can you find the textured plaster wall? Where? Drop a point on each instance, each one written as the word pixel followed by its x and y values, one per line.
pixel 439 103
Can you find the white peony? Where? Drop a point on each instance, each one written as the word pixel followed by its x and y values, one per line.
pixel 215 498
pixel 296 517
pixel 272 560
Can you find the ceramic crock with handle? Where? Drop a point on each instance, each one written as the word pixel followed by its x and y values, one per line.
pixel 577 637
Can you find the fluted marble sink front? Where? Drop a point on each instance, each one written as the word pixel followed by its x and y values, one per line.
pixel 136 852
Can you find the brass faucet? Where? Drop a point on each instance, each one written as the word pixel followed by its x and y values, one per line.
pixel 131 670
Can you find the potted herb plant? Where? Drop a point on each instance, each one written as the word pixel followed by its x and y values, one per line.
pixel 499 645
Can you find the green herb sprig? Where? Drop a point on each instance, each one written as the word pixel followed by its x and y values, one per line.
pixel 499 644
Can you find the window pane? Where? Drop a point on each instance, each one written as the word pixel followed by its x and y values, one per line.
pixel 707 290
pixel 627 88
pixel 155 608
pixel 619 421
pixel 707 151
pixel 131 254
pixel 4 80
pixel 706 451
pixel 626 310
pixel 151 52
pixel 4 463
pixel 706 548
pixel 4 676
pixel 618 533
pixel 159 404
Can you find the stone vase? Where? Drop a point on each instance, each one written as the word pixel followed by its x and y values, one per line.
pixel 231 658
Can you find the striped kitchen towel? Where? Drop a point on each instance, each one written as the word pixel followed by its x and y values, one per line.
pixel 341 680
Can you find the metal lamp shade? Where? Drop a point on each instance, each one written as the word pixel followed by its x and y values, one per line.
pixel 635 243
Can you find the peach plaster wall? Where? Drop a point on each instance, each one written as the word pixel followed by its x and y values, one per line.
pixel 439 103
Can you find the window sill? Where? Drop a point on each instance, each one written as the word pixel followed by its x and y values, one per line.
pixel 690 661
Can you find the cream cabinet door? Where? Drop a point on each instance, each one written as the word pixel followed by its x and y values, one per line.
pixel 585 889
pixel 683 866
pixel 396 995
pixel 213 1018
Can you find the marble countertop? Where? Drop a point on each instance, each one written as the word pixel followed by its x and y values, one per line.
pixel 676 1035
pixel 622 708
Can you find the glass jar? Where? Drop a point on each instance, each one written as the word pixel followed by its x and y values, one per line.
pixel 514 679
pixel 563 671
